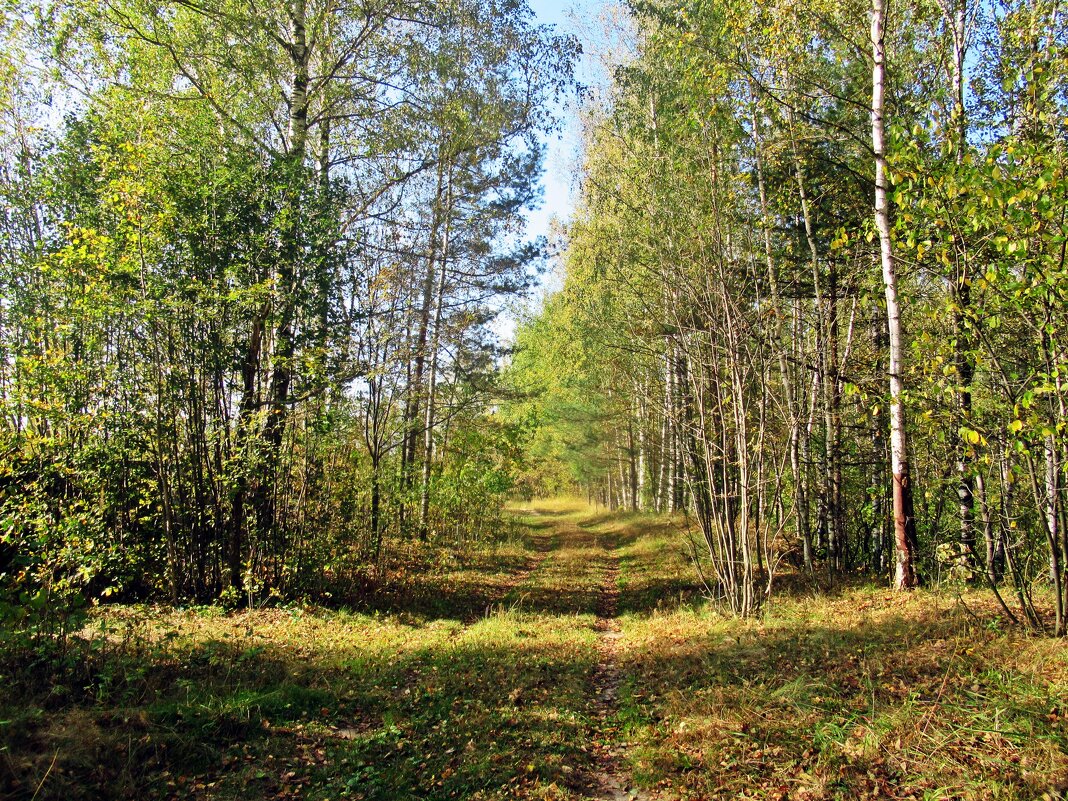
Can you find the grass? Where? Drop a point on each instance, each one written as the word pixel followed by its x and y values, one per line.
pixel 868 695
pixel 473 678
pixel 488 698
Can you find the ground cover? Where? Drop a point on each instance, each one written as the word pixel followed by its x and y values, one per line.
pixel 577 661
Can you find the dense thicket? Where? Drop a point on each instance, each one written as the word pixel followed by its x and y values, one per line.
pixel 721 341
pixel 249 255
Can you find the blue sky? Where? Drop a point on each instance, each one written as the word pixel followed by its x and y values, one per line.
pixel 605 36
pixel 562 148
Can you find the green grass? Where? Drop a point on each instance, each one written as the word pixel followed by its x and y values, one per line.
pixel 869 695
pixel 472 677
pixel 488 699
pixel 336 706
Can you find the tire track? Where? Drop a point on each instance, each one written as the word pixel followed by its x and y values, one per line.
pixel 610 780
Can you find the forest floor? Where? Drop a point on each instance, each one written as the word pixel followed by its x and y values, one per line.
pixel 577 662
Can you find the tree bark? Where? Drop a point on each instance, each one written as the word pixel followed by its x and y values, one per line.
pixel 826 306
pixel 413 407
pixel 284 350
pixel 435 346
pixel 904 521
pixel 954 13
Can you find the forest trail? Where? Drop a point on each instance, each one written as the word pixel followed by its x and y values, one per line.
pixel 596 536
pixel 496 672
pixel 571 661
pixel 607 679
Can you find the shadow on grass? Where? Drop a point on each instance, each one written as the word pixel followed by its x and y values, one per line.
pixel 912 707
pixel 553 577
pixel 465 588
pixel 504 707
pixel 855 703
pixel 641 590
pixel 889 708
pixel 663 593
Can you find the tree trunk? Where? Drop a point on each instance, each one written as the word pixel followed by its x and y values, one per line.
pixel 955 12
pixel 826 307
pixel 642 489
pixel 632 465
pixel 432 375
pixel 284 350
pixel 904 521
pixel 250 367
pixel 990 539
pixel 790 389
pixel 664 484
pixel 1052 517
pixel 413 406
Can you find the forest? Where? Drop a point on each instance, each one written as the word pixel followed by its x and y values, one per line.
pixel 813 296
pixel 325 474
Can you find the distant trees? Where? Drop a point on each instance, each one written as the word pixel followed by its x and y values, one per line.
pixel 245 285
pixel 764 188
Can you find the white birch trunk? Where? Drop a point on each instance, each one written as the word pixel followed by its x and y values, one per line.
pixel 904 523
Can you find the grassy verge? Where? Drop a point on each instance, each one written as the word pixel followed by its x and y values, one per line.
pixel 868 694
pixel 322 705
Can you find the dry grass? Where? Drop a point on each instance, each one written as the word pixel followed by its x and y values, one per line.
pixel 488 699
pixel 868 695
pixel 473 678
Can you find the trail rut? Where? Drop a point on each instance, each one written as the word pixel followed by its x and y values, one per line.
pixel 611 782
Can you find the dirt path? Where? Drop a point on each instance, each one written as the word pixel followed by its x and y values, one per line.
pixel 582 552
pixel 503 679
pixel 555 668
pixel 611 781
pixel 542 545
